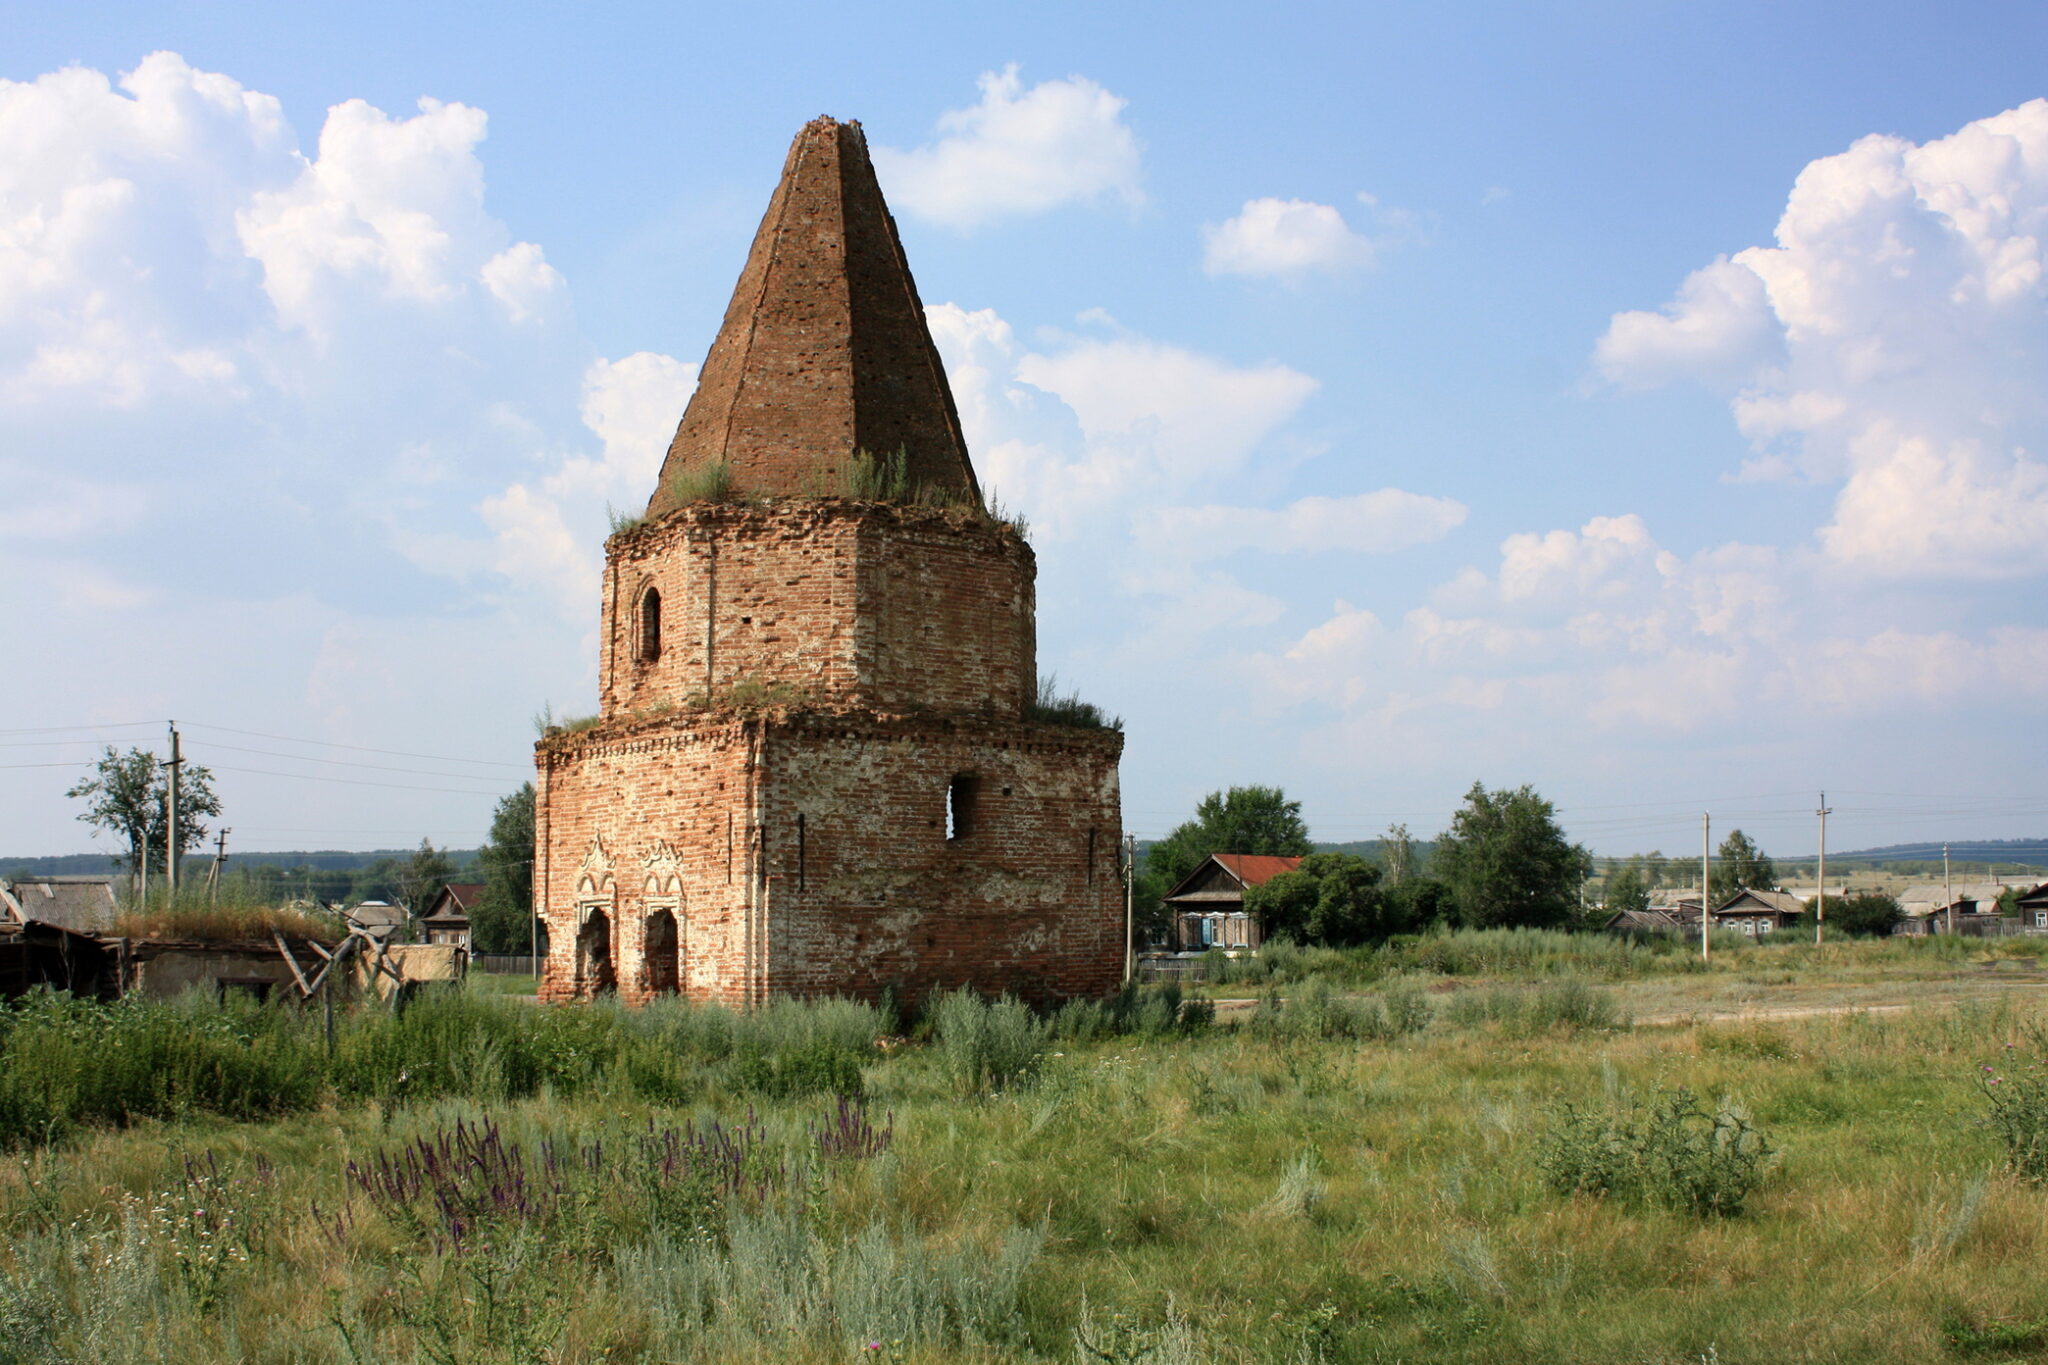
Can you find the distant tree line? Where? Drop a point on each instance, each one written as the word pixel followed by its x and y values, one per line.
pixel 1504 861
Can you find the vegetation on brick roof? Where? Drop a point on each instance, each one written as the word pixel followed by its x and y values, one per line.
pixel 710 481
pixel 1048 707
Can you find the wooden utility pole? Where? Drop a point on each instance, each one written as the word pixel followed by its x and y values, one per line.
pixel 1820 913
pixel 220 855
pixel 1130 921
pixel 1706 885
pixel 1948 890
pixel 171 824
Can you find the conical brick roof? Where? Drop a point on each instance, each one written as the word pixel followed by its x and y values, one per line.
pixel 824 351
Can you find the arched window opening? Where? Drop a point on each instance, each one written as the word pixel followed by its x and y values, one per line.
pixel 960 806
pixel 661 952
pixel 650 626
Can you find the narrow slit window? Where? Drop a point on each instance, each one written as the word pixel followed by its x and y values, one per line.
pixel 960 794
pixel 650 626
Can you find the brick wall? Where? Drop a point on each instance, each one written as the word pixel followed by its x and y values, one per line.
pixel 846 602
pixel 809 854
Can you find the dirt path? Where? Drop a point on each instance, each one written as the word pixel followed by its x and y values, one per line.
pixel 1240 1009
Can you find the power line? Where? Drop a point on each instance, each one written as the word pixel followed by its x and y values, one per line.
pixel 347 762
pixel 357 748
pixel 356 782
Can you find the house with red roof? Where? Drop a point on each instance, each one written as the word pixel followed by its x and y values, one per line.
pixel 1207 905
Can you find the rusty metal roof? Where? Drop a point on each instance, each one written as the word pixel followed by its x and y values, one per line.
pixel 1256 869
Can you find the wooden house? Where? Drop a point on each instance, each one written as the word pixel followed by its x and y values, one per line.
pixel 1208 904
pixel 447 917
pixel 1757 913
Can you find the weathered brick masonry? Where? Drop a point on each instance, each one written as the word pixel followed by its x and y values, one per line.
pixel 812 772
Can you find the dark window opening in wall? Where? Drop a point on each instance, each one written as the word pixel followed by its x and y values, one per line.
pixel 960 803
pixel 650 626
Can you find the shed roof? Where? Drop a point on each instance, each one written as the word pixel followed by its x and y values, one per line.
pixel 84 904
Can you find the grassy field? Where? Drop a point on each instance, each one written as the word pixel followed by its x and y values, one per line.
pixel 1367 1172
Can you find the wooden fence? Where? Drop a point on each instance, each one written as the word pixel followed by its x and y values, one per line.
pixel 505 964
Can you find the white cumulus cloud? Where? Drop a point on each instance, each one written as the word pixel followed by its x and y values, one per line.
pixel 1018 151
pixel 1285 239
pixel 1888 342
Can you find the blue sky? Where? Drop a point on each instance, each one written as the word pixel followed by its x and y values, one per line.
pixel 1639 401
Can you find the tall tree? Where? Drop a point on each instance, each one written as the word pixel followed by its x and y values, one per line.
pixel 1741 866
pixel 1240 820
pixel 129 795
pixel 1625 889
pixel 1332 898
pixel 1507 862
pixel 421 877
pixel 499 923
pixel 1398 848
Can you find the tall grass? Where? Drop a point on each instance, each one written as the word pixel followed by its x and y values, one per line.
pixel 1158 1192
pixel 66 1063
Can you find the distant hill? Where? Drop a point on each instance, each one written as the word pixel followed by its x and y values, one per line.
pixel 1972 850
pixel 325 860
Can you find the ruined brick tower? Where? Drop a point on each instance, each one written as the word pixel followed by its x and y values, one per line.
pixel 817 769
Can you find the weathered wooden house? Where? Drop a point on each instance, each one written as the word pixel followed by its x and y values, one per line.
pixel 1757 913
pixel 1207 905
pixel 447 917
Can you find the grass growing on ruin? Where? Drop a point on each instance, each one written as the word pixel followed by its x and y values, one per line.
pixel 1370 1177
pixel 236 914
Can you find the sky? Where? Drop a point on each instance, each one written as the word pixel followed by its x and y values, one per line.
pixel 1639 401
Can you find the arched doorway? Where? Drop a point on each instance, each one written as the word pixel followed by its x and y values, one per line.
pixel 594 953
pixel 661 952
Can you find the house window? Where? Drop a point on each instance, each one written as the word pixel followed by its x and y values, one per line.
pixel 960 804
pixel 650 626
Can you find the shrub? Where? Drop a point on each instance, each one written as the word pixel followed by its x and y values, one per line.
pixel 1668 1150
pixel 986 1045
pixel 2017 1100
pixel 1134 1011
pixel 1569 1005
pixel 1315 1011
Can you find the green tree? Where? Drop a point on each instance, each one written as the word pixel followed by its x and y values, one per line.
pixel 1419 902
pixel 1507 863
pixel 1867 914
pixel 129 797
pixel 1655 868
pixel 1397 847
pixel 1739 865
pixel 1625 890
pixel 1241 820
pixel 1333 899
pixel 421 877
pixel 501 920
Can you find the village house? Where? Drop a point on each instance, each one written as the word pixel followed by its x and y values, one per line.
pixel 447 917
pixel 818 765
pixel 1207 905
pixel 1757 913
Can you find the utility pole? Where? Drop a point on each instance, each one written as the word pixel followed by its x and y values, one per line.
pixel 1130 919
pixel 220 855
pixel 171 825
pixel 1948 890
pixel 1706 885
pixel 1820 914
